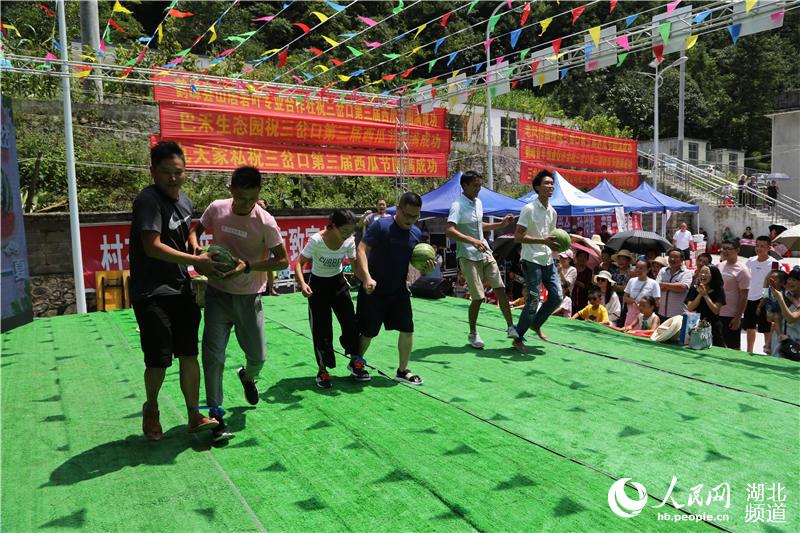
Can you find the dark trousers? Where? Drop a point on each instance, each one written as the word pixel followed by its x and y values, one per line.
pixel 331 294
pixel 732 337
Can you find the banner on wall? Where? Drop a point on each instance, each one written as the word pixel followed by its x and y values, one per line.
pixel 307 160
pixel 579 178
pixel 106 246
pixel 559 155
pixel 254 129
pixel 529 130
pixel 203 93
pixel 15 287
pixel 591 224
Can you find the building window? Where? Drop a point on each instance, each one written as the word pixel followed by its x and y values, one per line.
pixel 457 126
pixel 733 160
pixel 508 131
pixel 694 148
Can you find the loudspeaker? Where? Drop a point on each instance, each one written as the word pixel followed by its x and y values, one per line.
pixel 428 287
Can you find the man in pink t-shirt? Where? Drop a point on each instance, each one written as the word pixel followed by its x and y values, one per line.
pixel 251 234
pixel 736 283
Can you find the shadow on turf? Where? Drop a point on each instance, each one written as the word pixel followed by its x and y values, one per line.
pixel 492 353
pixel 131 451
pixel 285 391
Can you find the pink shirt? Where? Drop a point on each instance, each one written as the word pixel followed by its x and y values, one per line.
pixel 735 278
pixel 248 237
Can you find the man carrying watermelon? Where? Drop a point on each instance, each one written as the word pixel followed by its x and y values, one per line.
pixel 244 236
pixel 382 262
pixel 465 226
pixel 536 224
pixel 160 287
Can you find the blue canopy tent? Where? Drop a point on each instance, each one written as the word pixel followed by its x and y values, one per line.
pixel 648 194
pixel 437 202
pixel 607 192
pixel 570 201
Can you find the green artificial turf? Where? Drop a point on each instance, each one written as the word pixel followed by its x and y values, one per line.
pixel 494 440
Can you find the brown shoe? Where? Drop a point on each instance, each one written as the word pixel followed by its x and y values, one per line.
pixel 198 422
pixel 151 425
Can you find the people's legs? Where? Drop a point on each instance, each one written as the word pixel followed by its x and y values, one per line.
pixel 733 337
pixel 751 339
pixel 533 282
pixel 405 342
pixel 342 305
pixel 216 333
pixel 319 315
pixel 551 281
pixel 190 380
pixel 473 275
pixel 474 309
pixel 363 344
pixel 249 330
pixel 505 307
pixel 153 379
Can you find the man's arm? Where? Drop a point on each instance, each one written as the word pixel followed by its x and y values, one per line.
pixel 453 233
pixel 362 267
pixel 194 237
pixel 503 222
pixel 278 259
pixel 521 237
pixel 154 248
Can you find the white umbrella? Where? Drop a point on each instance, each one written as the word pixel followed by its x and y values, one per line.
pixel 790 238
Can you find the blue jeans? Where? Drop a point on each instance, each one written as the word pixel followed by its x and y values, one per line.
pixel 535 276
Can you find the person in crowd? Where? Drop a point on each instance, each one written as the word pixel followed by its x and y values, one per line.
pixel 704 259
pixel 777 279
pixel 383 257
pixel 674 282
pixel 605 235
pixel 327 291
pixel 606 263
pixel 465 225
pixel 727 234
pixel 772 193
pixel 368 217
pixel 566 271
pixel 741 189
pixel 579 231
pixel 646 319
pixel 536 223
pixel 727 195
pixel 638 288
pixel 736 282
pixel 625 271
pixel 755 318
pixel 704 233
pixel 707 296
pixel 252 235
pixel 439 260
pixel 789 304
pixel 583 280
pixel 160 287
pixel 682 240
pixel 565 309
pixel 594 310
pixel 270 273
pixel 656 266
pixel 752 188
pixel 610 300
pixel 780 248
pixel 748 233
pixel 460 286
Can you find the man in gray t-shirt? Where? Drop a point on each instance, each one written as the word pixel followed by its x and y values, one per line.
pixel 465 226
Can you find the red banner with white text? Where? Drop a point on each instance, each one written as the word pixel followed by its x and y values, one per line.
pixel 559 155
pixel 105 246
pixel 579 178
pixel 205 93
pixel 205 124
pixel 528 130
pixel 280 159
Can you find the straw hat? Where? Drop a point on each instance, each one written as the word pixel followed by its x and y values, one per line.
pixel 605 274
pixel 661 260
pixel 598 240
pixel 624 253
pixel 668 330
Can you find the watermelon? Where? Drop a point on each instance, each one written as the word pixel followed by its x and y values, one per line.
pixel 422 252
pixel 562 238
pixel 221 254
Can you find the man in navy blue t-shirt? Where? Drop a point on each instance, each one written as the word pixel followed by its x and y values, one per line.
pixel 383 257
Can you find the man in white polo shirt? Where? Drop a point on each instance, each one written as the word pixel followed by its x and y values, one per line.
pixel 681 240
pixel 536 223
pixel 760 265
pixel 465 226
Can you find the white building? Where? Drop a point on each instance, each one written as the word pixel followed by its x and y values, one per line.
pixel 786 142
pixel 467 125
pixel 698 152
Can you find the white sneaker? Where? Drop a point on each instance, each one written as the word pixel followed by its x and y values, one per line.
pixel 475 340
pixel 512 333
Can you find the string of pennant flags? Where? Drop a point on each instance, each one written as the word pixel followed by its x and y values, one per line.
pixel 676 29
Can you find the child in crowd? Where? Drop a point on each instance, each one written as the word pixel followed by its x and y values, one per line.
pixel 770 305
pixel 565 309
pixel 460 287
pixel 594 311
pixel 519 303
pixel 647 320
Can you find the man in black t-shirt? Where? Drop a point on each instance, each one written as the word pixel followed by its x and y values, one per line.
pixel 160 287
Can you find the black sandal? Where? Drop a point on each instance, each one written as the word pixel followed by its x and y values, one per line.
pixel 407 376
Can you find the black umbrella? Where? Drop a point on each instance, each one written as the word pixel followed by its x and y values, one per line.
pixel 638 241
pixel 504 246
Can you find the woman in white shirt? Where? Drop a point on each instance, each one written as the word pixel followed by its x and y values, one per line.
pixel 327 290
pixel 637 288
pixel 610 299
pixel 567 272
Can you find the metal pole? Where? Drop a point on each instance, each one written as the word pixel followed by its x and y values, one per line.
pixel 90 36
pixel 489 148
pixel 681 102
pixel 74 222
pixel 655 130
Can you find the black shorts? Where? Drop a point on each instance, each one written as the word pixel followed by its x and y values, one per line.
pixel 752 320
pixel 686 254
pixel 393 311
pixel 167 326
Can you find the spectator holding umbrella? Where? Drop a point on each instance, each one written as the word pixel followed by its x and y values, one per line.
pixel 772 192
pixel 674 282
